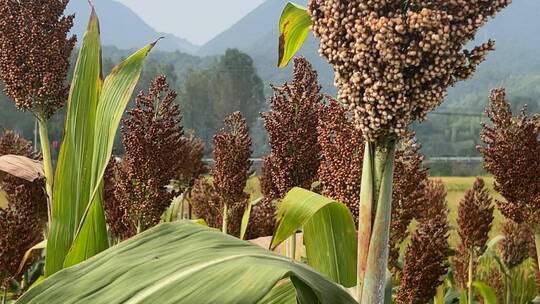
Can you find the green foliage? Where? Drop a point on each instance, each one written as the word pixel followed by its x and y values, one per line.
pixel 95 107
pixel 294 27
pixel 182 262
pixel 329 233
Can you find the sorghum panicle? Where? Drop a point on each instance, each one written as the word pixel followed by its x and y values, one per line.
pixel 34 53
pixel 342 151
pixel 394 60
pixel 232 166
pixel 475 217
pixel 510 151
pixel 292 131
pixel 154 145
pixel 409 194
pixel 514 248
pixel 23 222
pixel 426 258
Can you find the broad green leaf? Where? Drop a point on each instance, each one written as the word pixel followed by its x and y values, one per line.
pixel 329 233
pixel 294 27
pixel 281 294
pixel 181 262
pixel 117 89
pixel 72 186
pixel 486 292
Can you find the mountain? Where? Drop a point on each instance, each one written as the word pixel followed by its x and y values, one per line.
pixel 515 30
pixel 122 28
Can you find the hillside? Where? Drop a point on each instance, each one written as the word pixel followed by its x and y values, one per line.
pixel 126 32
pixel 515 30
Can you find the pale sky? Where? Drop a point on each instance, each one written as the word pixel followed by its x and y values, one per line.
pixel 196 20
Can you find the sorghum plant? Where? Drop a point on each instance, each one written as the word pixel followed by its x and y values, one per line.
pixel 409 195
pixel 393 63
pixel 292 132
pixel 514 249
pixel 232 150
pixel 154 142
pixel 34 61
pixel 23 222
pixel 342 150
pixel 340 172
pixel 510 151
pixel 427 254
pixel 475 217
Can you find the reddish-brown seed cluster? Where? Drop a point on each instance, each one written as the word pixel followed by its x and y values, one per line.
pixel 154 146
pixel 460 266
pixel 292 131
pixel 342 151
pixel 409 195
pixel 232 166
pixel 427 254
pixel 511 153
pixel 22 223
pixel 394 60
pixel 494 279
pixel 34 53
pixel 514 248
pixel 475 217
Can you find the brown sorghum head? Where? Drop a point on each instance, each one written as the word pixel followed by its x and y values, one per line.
pixel 394 60
pixel 22 223
pixel 510 151
pixel 232 150
pixel 192 164
pixel 342 151
pixel 262 219
pixel 34 53
pixel 116 215
pixel 427 254
pixel 514 248
pixel 208 205
pixel 495 280
pixel 292 131
pixel 409 194
pixel 154 142
pixel 475 217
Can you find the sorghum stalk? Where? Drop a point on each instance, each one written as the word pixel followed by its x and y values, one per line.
pixel 471 275
pixel 47 161
pixel 377 262
pixel 364 217
pixel 537 244
pixel 225 218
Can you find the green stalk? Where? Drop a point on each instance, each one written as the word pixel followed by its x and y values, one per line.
pixel 291 247
pixel 225 218
pixel 471 274
pixel 377 263
pixel 509 287
pixel 537 243
pixel 5 296
pixel 364 217
pixel 47 161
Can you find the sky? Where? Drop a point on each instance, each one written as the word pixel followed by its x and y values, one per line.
pixel 195 20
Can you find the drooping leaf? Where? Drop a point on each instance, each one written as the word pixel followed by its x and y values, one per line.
pixel 294 27
pixel 39 246
pixel 486 292
pixel 181 262
pixel 21 167
pixel 246 216
pixel 329 233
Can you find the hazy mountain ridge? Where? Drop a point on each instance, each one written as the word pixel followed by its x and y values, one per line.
pixel 123 28
pixel 515 30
